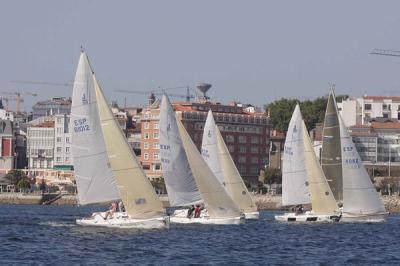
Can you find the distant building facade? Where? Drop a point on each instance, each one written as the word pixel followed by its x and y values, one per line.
pixel 247 135
pixel 53 106
pixel 62 142
pixel 40 145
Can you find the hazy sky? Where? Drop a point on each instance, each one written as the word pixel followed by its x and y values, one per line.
pixel 251 51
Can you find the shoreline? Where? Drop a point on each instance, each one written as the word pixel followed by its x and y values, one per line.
pixel 263 202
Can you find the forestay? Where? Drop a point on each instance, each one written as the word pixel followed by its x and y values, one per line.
pixel 359 193
pixel 216 199
pixel 216 154
pixel 180 183
pixel 94 179
pixel 322 200
pixel 137 193
pixel 294 175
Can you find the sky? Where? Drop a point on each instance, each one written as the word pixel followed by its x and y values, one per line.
pixel 250 51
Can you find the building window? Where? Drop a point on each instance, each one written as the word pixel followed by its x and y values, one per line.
pixel 229 138
pixel 242 169
pixel 254 160
pixel 254 140
pixel 58 149
pixel 231 148
pixel 242 139
pixel 146 156
pixel 156 156
pixel 66 149
pixel 59 130
pixel 146 135
pixel 157 167
pixel 58 139
pixel 58 159
pixel 146 125
pixel 254 170
pixel 367 106
pixel 155 126
pixel 156 146
pixel 155 135
pixel 242 149
pixel 67 139
pixel 145 145
pixel 254 149
pixel 59 119
pixel 242 159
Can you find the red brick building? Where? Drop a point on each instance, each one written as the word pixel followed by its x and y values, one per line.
pixel 247 135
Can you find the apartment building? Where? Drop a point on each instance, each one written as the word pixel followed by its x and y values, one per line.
pixel 62 142
pixel 40 145
pixel 247 135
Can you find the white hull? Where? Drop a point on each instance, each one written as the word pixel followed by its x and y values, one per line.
pixel 307 217
pixel 123 220
pixel 251 215
pixel 180 217
pixel 364 218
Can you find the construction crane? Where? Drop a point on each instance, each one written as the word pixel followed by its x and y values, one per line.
pixel 161 91
pixel 17 97
pixel 385 52
pixel 48 83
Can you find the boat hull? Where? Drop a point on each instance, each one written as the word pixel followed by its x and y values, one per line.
pixel 251 215
pixel 122 220
pixel 180 217
pixel 364 218
pixel 307 217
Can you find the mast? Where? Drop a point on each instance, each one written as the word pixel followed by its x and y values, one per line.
pixel 137 193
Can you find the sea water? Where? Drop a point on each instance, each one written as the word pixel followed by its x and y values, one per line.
pixel 48 235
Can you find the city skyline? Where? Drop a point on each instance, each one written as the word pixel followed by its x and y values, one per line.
pixel 285 49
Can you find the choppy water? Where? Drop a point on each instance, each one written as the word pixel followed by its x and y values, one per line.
pixel 48 235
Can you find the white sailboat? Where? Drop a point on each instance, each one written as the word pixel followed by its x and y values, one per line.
pixel 220 209
pixel 315 189
pixel 361 201
pixel 143 209
pixel 218 158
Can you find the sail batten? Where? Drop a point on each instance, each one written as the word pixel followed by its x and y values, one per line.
pixel 217 156
pixel 295 188
pixel 137 193
pixel 95 180
pixel 179 181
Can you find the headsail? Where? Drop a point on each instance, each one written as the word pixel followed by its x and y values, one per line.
pixel 216 199
pixel 331 158
pixel 359 194
pixel 94 179
pixel 322 199
pixel 218 158
pixel 294 175
pixel 181 186
pixel 137 193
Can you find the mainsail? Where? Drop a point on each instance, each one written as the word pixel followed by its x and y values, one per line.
pixel 322 200
pixel 294 175
pixel 218 158
pixel 331 158
pixel 359 194
pixel 137 193
pixel 216 199
pixel 180 183
pixel 94 179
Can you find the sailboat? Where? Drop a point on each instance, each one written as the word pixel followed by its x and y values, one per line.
pixel 142 207
pixel 361 201
pixel 218 158
pixel 219 207
pixel 303 180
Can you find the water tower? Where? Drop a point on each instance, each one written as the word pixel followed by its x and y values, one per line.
pixel 203 88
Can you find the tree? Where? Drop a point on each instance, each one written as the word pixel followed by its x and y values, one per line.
pixel 313 111
pixel 14 176
pixel 272 176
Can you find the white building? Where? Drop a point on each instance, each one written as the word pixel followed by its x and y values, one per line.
pixel 363 110
pixel 62 142
pixel 40 145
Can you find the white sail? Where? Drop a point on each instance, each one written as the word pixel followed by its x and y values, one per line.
pixel 94 179
pixel 180 183
pixel 218 158
pixel 359 194
pixel 322 199
pixel 294 175
pixel 216 199
pixel 137 193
